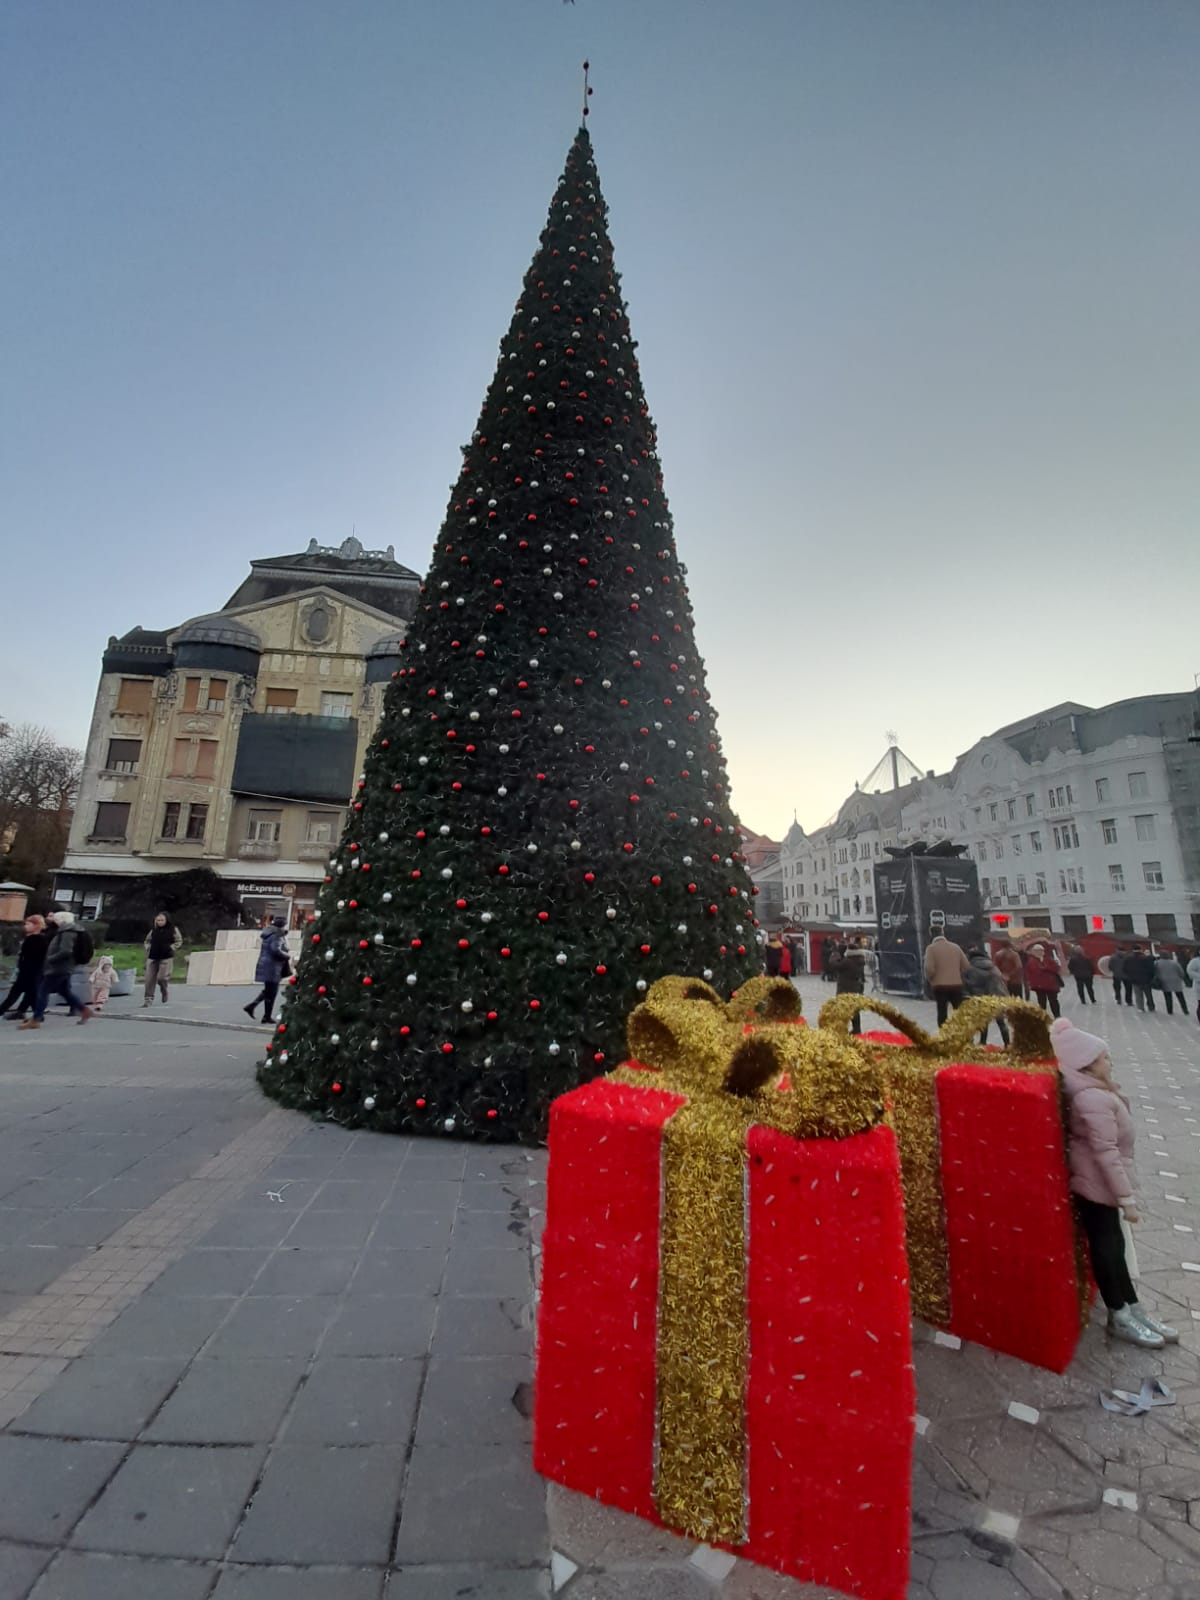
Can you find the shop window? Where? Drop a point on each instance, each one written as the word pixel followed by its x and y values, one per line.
pixel 123 755
pixel 1161 924
pixel 1074 924
pixel 134 696
pixel 112 819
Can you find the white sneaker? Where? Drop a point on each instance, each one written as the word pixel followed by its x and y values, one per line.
pixel 1164 1330
pixel 1123 1324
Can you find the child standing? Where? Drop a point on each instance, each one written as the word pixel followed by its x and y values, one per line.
pixel 104 975
pixel 1103 1181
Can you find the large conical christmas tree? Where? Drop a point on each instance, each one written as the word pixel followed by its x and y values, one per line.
pixel 544 825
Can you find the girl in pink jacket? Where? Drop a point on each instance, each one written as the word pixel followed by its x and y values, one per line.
pixel 1103 1181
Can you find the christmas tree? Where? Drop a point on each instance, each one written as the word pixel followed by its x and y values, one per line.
pixel 544 825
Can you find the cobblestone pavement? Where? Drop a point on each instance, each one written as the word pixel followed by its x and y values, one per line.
pixel 247 1357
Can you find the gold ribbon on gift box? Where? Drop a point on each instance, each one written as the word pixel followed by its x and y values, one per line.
pixel 730 1079
pixel 910 1085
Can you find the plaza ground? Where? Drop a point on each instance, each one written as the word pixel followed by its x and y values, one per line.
pixel 244 1356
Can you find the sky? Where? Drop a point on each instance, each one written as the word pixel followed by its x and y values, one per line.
pixel 915 288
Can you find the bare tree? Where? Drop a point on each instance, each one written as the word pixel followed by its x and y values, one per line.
pixel 39 779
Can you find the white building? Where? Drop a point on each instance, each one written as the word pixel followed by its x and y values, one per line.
pixel 1080 820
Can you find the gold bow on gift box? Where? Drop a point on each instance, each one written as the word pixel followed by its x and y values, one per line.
pixel 910 1084
pixel 803 1082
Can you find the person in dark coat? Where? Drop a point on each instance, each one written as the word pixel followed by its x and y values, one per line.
pixel 30 960
pixel 69 952
pixel 772 955
pixel 274 964
pixel 1139 976
pixel 1079 965
pixel 1116 971
pixel 850 970
pixel 984 977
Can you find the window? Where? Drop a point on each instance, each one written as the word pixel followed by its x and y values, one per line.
pixel 1021 888
pixel 1139 788
pixel 170 821
pixel 1103 789
pixel 123 755
pixel 216 694
pixel 978 813
pixel 1160 924
pixel 845 908
pixel 1016 844
pixel 869 906
pixel 337 705
pixel 985 885
pixel 1040 885
pixel 1071 832
pixel 993 811
pixel 1035 842
pixel 1151 873
pixel 1072 881
pixel 1108 829
pixel 1122 922
pixel 1012 810
pixel 1075 924
pixel 1002 888
pixel 265 826
pixel 1146 831
pixel 1062 881
pixel 983 855
pixel 206 758
pixel 1070 796
pixel 999 850
pixel 180 758
pixel 1030 809
pixel 281 701
pixel 133 698
pixel 197 821
pixel 112 818
pixel 1116 877
pixel 322 829
pixel 191 694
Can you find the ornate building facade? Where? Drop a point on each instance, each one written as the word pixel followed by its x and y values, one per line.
pixel 233 740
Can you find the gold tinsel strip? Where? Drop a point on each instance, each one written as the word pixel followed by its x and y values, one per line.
pixel 766 1000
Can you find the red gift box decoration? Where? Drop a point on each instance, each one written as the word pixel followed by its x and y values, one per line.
pixel 724 1340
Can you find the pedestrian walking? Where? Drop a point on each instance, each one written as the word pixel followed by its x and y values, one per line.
pixel 871 963
pixel 1079 965
pixel 1171 979
pixel 827 952
pixel 104 975
pixel 1103 1180
pixel 983 977
pixel 1139 974
pixel 798 963
pixel 849 972
pixel 1012 969
pixel 1116 970
pixel 1045 978
pixel 1193 972
pixel 946 967
pixel 785 959
pixel 161 944
pixel 772 954
pixel 64 971
pixel 31 958
pixel 274 964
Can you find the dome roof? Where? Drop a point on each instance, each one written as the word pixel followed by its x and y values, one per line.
pixel 389 645
pixel 218 629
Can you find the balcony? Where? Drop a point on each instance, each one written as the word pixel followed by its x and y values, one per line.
pixel 258 850
pixel 315 852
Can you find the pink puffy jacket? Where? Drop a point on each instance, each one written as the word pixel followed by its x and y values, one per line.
pixel 1099 1140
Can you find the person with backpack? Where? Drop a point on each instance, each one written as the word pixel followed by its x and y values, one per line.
pixel 161 944
pixel 70 951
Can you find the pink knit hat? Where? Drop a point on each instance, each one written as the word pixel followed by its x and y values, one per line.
pixel 1073 1047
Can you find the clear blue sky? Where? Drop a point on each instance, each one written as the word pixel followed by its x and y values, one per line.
pixel 915 286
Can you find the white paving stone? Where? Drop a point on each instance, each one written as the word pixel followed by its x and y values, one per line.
pixel 562 1570
pixel 715 1565
pixel 950 1340
pixel 1023 1413
pixel 1125 1498
pixel 1001 1523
